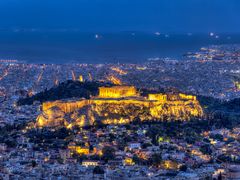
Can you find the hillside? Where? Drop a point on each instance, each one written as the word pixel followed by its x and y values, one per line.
pixel 65 90
pixel 76 89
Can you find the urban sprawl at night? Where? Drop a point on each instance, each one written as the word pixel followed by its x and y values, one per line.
pixel 161 119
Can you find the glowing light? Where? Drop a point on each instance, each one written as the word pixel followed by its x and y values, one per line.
pixel 80 78
pixel 114 80
pixel 90 76
pixel 128 161
pixel 158 97
pixel 79 149
pixel 39 77
pixel 97 36
pixel 73 76
pixel 120 105
pixel 119 71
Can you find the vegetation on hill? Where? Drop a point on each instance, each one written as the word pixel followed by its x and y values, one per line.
pixel 65 90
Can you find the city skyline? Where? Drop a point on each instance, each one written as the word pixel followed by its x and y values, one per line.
pixel 120 89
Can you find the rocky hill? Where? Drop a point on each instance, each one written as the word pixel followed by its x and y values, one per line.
pixel 65 90
pixel 213 108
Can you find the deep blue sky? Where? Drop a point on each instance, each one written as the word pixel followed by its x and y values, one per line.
pixel 122 15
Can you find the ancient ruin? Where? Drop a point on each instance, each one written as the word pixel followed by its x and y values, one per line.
pixel 119 105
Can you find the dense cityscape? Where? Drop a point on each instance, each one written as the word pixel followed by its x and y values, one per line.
pixel 119 90
pixel 162 119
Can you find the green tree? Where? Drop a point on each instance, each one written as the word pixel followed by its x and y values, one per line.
pixel 108 153
pixel 98 170
pixel 34 164
pixel 183 168
pixel 206 149
pixel 136 159
pixel 156 159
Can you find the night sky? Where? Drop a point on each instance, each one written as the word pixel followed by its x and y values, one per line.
pixel 122 15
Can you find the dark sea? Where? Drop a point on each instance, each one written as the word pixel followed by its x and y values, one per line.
pixel 124 47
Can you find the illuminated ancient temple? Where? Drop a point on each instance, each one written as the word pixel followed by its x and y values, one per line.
pixel 117 92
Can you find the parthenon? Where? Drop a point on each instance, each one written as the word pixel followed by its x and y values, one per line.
pixel 117 92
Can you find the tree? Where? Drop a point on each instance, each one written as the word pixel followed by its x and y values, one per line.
pixel 156 159
pixel 230 139
pixel 153 133
pixel 136 159
pixel 206 140
pixel 60 160
pixel 121 144
pixel 183 168
pixel 206 149
pixel 11 143
pixel 34 164
pixel 108 153
pixel 98 170
pixel 62 133
pixel 218 137
pixel 190 140
pixel 220 176
pixel 145 145
pixel 223 158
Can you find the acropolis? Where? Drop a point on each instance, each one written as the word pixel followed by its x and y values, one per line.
pixel 119 105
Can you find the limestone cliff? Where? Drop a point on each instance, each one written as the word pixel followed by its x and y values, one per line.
pixel 119 110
